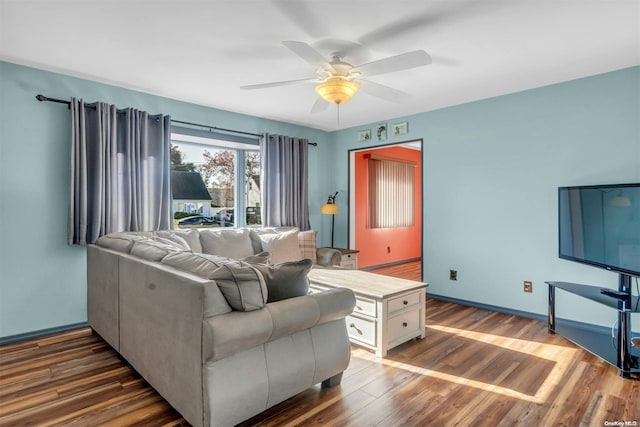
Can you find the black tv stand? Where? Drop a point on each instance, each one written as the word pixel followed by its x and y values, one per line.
pixel 622 355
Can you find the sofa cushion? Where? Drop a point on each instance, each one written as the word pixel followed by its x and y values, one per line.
pixel 307 243
pixel 286 280
pixel 175 241
pixel 230 243
pixel 202 265
pixel 120 241
pixel 155 250
pixel 284 246
pixel 190 236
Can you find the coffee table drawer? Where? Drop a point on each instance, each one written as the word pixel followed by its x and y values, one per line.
pixel 365 306
pixel 403 325
pixel 404 301
pixel 363 330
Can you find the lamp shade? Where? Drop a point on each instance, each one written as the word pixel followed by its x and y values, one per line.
pixel 329 209
pixel 337 90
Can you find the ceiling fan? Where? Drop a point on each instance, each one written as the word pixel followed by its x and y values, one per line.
pixel 337 81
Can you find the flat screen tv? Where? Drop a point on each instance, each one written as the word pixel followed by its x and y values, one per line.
pixel 599 225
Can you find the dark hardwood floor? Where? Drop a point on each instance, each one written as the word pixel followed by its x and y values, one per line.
pixel 475 367
pixel 407 270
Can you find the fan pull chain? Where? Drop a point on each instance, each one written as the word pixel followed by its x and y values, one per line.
pixel 338 114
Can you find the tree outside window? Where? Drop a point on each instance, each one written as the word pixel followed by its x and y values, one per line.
pixel 218 170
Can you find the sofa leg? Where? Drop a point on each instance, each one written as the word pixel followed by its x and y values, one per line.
pixel 333 381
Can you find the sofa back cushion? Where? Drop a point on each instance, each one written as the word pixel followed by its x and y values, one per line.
pixel 230 243
pixel 191 237
pixel 120 241
pixel 286 280
pixel 155 249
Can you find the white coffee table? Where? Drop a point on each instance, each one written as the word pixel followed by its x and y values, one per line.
pixel 388 312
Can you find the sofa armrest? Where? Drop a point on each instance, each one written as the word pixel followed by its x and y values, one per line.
pixel 328 257
pixel 335 303
pixel 233 332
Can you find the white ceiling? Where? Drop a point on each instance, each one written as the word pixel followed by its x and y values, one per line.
pixel 202 51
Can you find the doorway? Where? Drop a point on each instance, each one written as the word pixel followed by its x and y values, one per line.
pixel 389 246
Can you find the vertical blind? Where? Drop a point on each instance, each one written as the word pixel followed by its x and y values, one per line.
pixel 391 192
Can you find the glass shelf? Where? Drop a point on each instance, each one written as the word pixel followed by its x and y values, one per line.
pixel 631 304
pixel 599 344
pixel 616 351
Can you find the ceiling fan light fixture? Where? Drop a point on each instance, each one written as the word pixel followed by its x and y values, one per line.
pixel 337 90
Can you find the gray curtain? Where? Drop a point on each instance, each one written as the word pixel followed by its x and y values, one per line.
pixel 285 181
pixel 120 171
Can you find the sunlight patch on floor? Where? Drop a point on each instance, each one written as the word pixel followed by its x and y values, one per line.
pixel 561 357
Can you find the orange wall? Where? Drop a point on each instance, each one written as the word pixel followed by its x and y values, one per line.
pixel 405 242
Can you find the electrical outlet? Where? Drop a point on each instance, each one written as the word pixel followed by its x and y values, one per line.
pixel 453 274
pixel 528 286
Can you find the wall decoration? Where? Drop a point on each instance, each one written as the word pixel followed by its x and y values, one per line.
pixel 381 131
pixel 400 129
pixel 364 135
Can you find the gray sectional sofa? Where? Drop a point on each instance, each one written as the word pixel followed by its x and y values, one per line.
pixel 191 311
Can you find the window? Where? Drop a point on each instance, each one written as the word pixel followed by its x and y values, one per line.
pixel 214 179
pixel 391 192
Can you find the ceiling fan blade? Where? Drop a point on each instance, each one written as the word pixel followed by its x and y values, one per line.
pixel 301 14
pixel 430 20
pixel 404 61
pixel 425 19
pixel 274 84
pixel 309 54
pixel 319 106
pixel 383 92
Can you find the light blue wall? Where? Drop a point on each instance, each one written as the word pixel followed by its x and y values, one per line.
pixel 491 172
pixel 491 169
pixel 42 280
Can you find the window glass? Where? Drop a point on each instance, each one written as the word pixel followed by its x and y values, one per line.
pixel 204 185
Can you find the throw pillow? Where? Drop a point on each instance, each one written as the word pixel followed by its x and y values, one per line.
pixel 286 280
pixel 261 258
pixel 242 285
pixel 230 243
pixel 283 246
pixel 307 243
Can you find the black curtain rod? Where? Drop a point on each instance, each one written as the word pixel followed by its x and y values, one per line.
pixel 43 98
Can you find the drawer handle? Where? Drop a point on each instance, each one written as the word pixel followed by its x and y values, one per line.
pixel 405 302
pixel 354 327
pixel 404 324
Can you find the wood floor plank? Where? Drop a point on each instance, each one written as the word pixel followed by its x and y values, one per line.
pixel 474 367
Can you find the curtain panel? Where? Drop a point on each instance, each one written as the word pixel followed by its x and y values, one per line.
pixel 120 171
pixel 285 181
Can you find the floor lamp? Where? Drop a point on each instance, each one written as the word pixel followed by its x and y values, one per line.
pixel 330 208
